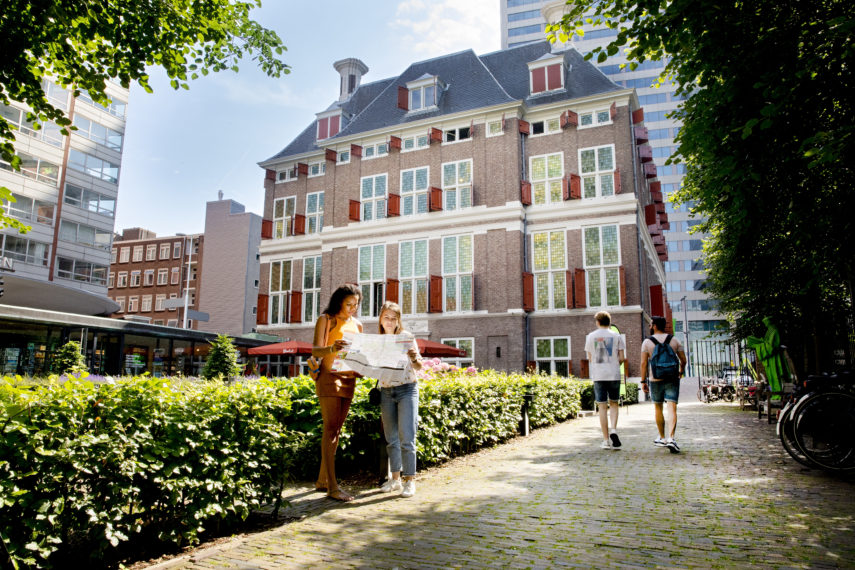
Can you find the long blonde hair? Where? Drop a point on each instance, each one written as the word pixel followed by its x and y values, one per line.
pixel 395 308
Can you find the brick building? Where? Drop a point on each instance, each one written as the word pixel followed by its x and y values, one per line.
pixel 146 271
pixel 501 199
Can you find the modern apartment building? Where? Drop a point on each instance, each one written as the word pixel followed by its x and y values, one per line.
pixel 149 275
pixel 523 21
pixel 501 200
pixel 66 191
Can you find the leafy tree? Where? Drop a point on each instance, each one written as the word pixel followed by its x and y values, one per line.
pixel 69 359
pixel 81 44
pixel 769 144
pixel 222 359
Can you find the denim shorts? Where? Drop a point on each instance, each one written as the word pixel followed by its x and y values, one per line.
pixel 608 390
pixel 664 391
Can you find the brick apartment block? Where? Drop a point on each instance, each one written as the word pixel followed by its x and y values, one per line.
pixel 501 199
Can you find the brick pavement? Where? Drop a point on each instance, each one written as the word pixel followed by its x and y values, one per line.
pixel 554 499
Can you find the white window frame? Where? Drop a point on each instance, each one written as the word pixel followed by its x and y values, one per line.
pixel 163 276
pixel 113 255
pixel 121 302
pixel 596 274
pixel 318 168
pixel 456 135
pixel 374 201
pixel 288 175
pixel 377 150
pixel 148 277
pixel 279 290
pixel 550 363
pixel 172 322
pixel 456 272
pixel 138 254
pixel 175 276
pixel 312 267
pixel 455 187
pixel 545 64
pixel 551 126
pixel 413 195
pixel 314 217
pixel 283 216
pixel 176 250
pixel 468 344
pixel 413 281
pixel 151 252
pixel 173 296
pixel 419 142
pixel 372 278
pixel 125 255
pixel 343 157
pixel 111 280
pixel 145 304
pixel 164 251
pixel 489 125
pixel 158 302
pixel 132 304
pixel 421 88
pixel 548 189
pixel 122 279
pixel 600 181
pixel 596 116
pixel 136 278
pixel 550 280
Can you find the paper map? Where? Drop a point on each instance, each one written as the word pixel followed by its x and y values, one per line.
pixel 380 356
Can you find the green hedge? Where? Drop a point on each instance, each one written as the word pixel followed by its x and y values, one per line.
pixel 90 468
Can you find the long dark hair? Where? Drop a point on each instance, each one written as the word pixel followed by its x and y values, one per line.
pixel 338 297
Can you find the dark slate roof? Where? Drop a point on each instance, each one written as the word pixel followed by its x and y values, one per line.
pixel 471 82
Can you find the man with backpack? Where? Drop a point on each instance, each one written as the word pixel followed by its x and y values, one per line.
pixel 667 362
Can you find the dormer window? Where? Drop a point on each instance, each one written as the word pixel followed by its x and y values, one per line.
pixel 546 74
pixel 328 125
pixel 423 93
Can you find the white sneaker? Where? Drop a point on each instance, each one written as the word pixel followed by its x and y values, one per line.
pixel 409 488
pixel 391 485
pixel 605 444
pixel 659 442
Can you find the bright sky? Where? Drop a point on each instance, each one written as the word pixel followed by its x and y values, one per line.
pixel 181 147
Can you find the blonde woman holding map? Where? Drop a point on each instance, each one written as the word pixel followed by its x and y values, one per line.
pixel 399 408
pixel 334 389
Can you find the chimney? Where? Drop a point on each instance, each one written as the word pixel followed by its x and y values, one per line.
pixel 552 12
pixel 351 71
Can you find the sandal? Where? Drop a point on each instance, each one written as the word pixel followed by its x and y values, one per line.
pixel 339 495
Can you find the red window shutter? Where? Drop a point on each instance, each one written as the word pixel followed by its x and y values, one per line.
pixel 583 369
pixel 435 135
pixel 568 288
pixel 538 80
pixel 472 129
pixel 660 208
pixel 303 169
pixel 641 135
pixel 298 228
pixel 269 174
pixel 323 128
pixel 392 290
pixel 261 310
pixel 355 210
pixel 645 153
pixel 565 188
pixel 656 306
pixel 575 187
pixel 356 150
pixel 658 240
pixel 334 125
pixel 613 111
pixel 528 292
pixel 393 205
pixel 295 311
pixel 617 180
pixel 663 221
pixel 656 197
pixel 580 297
pixel 331 154
pixel 638 116
pixel 435 305
pixel 569 119
pixel 395 142
pixel 435 199
pixel 669 320
pixel 525 192
pixel 266 229
pixel 524 127
pixel 403 98
pixel 623 299
pixel 553 76
pixel 649 170
pixel 655 186
pixel 654 230
pixel 650 214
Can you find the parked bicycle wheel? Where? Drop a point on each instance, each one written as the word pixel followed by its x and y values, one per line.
pixel 786 432
pixel 823 426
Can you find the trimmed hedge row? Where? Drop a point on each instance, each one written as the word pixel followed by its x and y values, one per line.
pixel 88 468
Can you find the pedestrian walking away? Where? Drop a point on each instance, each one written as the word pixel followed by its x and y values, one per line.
pixel 334 389
pixel 663 361
pixel 399 409
pixel 606 352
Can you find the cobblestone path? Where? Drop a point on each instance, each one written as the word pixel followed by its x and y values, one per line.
pixel 733 498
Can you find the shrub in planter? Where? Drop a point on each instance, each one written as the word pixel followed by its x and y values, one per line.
pixel 222 359
pixel 69 359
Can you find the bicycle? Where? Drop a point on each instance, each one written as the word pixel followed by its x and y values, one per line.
pixel 816 424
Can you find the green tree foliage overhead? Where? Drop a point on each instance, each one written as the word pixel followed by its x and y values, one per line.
pixel 81 44
pixel 768 138
pixel 222 359
pixel 69 359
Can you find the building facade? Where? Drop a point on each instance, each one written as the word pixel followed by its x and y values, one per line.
pixel 523 21
pixel 149 276
pixel 66 191
pixel 501 200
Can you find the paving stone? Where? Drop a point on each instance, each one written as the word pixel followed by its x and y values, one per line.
pixel 733 498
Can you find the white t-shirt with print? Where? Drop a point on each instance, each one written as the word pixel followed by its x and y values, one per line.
pixel 602 347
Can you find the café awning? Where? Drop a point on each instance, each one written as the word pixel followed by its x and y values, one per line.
pixel 431 349
pixel 289 348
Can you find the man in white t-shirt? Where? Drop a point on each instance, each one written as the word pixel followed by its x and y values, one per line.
pixel 606 352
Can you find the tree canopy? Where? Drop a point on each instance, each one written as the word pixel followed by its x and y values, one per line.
pixel 83 44
pixel 767 139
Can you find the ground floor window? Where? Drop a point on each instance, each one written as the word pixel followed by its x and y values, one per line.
pixel 467 344
pixel 552 354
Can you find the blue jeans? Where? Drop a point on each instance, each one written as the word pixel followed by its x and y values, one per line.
pixel 399 408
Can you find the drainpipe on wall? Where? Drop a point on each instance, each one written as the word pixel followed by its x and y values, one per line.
pixel 526 324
